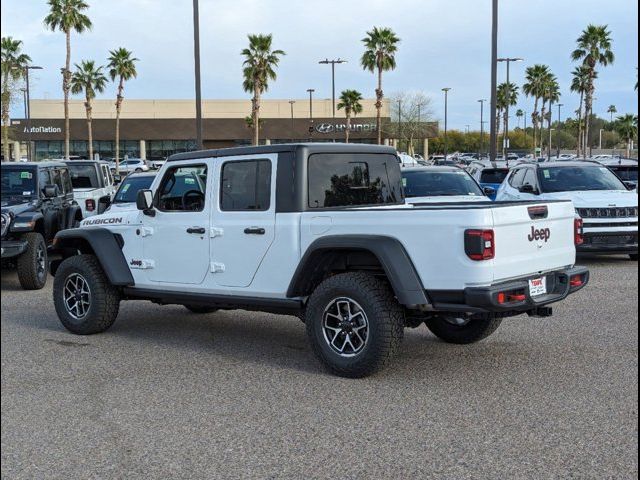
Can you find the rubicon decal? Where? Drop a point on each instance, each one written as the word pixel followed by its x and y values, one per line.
pixel 539 234
pixel 103 221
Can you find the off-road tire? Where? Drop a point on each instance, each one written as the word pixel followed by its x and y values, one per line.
pixel 105 298
pixel 385 318
pixel 27 264
pixel 200 309
pixel 474 331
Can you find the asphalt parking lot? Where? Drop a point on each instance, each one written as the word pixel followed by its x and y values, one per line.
pixel 170 394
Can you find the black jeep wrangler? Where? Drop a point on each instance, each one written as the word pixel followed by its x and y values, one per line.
pixel 37 202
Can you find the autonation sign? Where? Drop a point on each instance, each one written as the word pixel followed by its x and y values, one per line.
pixel 328 128
pixel 42 130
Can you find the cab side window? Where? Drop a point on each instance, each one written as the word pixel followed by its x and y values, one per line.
pixel 183 189
pixel 530 178
pixel 57 180
pixel 44 179
pixel 246 186
pixel 67 186
pixel 517 178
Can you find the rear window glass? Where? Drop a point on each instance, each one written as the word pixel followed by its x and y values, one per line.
pixel 494 175
pixel 429 183
pixel 340 180
pixel 84 176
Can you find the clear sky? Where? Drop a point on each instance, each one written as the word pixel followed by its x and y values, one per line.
pixel 444 43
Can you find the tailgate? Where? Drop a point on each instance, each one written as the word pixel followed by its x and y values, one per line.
pixel 528 240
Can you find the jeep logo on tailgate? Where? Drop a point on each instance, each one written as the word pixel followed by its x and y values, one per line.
pixel 539 234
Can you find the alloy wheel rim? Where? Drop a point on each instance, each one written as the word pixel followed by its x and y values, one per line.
pixel 77 296
pixel 345 327
pixel 41 262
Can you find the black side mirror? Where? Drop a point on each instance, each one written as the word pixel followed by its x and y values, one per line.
pixel 489 191
pixel 116 179
pixel 144 202
pixel 530 189
pixel 631 186
pixel 50 191
pixel 103 204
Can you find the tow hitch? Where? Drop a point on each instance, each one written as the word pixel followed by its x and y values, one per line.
pixel 541 312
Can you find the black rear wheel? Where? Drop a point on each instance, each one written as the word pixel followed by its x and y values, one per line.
pixel 462 330
pixel 354 324
pixel 32 264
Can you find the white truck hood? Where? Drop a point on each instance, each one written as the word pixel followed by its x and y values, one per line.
pixel 597 199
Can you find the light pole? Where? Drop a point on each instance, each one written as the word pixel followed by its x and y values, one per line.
pixel 333 64
pixel 560 105
pixel 196 55
pixel 600 142
pixel 481 102
pixel 311 91
pixel 292 103
pixel 446 119
pixel 27 102
pixel 399 123
pixel 494 81
pixel 508 61
pixel 551 130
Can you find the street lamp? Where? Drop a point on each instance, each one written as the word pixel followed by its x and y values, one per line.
pixel 494 81
pixel 196 54
pixel 311 91
pixel 600 142
pixel 560 105
pixel 333 64
pixel 27 102
pixel 292 103
pixel 481 102
pixel 399 122
pixel 508 61
pixel 446 113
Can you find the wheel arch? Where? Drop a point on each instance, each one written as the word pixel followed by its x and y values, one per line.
pixel 100 242
pixel 384 254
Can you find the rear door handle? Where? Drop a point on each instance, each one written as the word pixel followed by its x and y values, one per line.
pixel 254 231
pixel 197 230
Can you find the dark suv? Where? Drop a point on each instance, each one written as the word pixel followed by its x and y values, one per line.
pixel 37 202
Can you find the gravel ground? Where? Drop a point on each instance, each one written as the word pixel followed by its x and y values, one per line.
pixel 170 394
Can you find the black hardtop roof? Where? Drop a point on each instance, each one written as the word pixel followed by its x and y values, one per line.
pixel 34 164
pixel 285 148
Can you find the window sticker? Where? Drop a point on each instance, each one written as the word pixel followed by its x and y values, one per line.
pixel 190 181
pixel 26 193
pixel 26 175
pixel 547 174
pixel 125 188
pixel 404 182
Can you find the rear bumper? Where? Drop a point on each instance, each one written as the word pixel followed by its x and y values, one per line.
pixel 482 300
pixel 610 242
pixel 13 248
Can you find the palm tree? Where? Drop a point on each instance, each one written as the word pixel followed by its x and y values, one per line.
pixel 611 110
pixel 350 103
pixel 507 96
pixel 122 66
pixel 627 127
pixel 91 80
pixel 593 49
pixel 12 67
pixel 580 84
pixel 535 76
pixel 551 95
pixel 381 45
pixel 260 63
pixel 519 116
pixel 67 16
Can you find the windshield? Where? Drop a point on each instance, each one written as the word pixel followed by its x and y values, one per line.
pixel 578 179
pixel 494 175
pixel 84 176
pixel 627 174
pixel 129 188
pixel 427 183
pixel 18 182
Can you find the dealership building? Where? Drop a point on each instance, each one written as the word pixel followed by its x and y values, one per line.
pixel 155 129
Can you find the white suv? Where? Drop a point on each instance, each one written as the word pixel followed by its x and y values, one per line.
pixel 609 210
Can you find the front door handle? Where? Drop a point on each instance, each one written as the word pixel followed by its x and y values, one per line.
pixel 254 231
pixel 197 230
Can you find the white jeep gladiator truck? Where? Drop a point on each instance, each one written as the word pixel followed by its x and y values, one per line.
pixel 320 231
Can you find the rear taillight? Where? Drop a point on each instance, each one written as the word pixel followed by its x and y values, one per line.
pixel 90 204
pixel 576 281
pixel 480 245
pixel 578 231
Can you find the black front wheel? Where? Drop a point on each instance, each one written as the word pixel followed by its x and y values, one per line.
pixel 85 300
pixel 32 264
pixel 462 330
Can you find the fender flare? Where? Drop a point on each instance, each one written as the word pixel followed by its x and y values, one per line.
pixel 106 246
pixel 74 212
pixel 391 254
pixel 27 217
